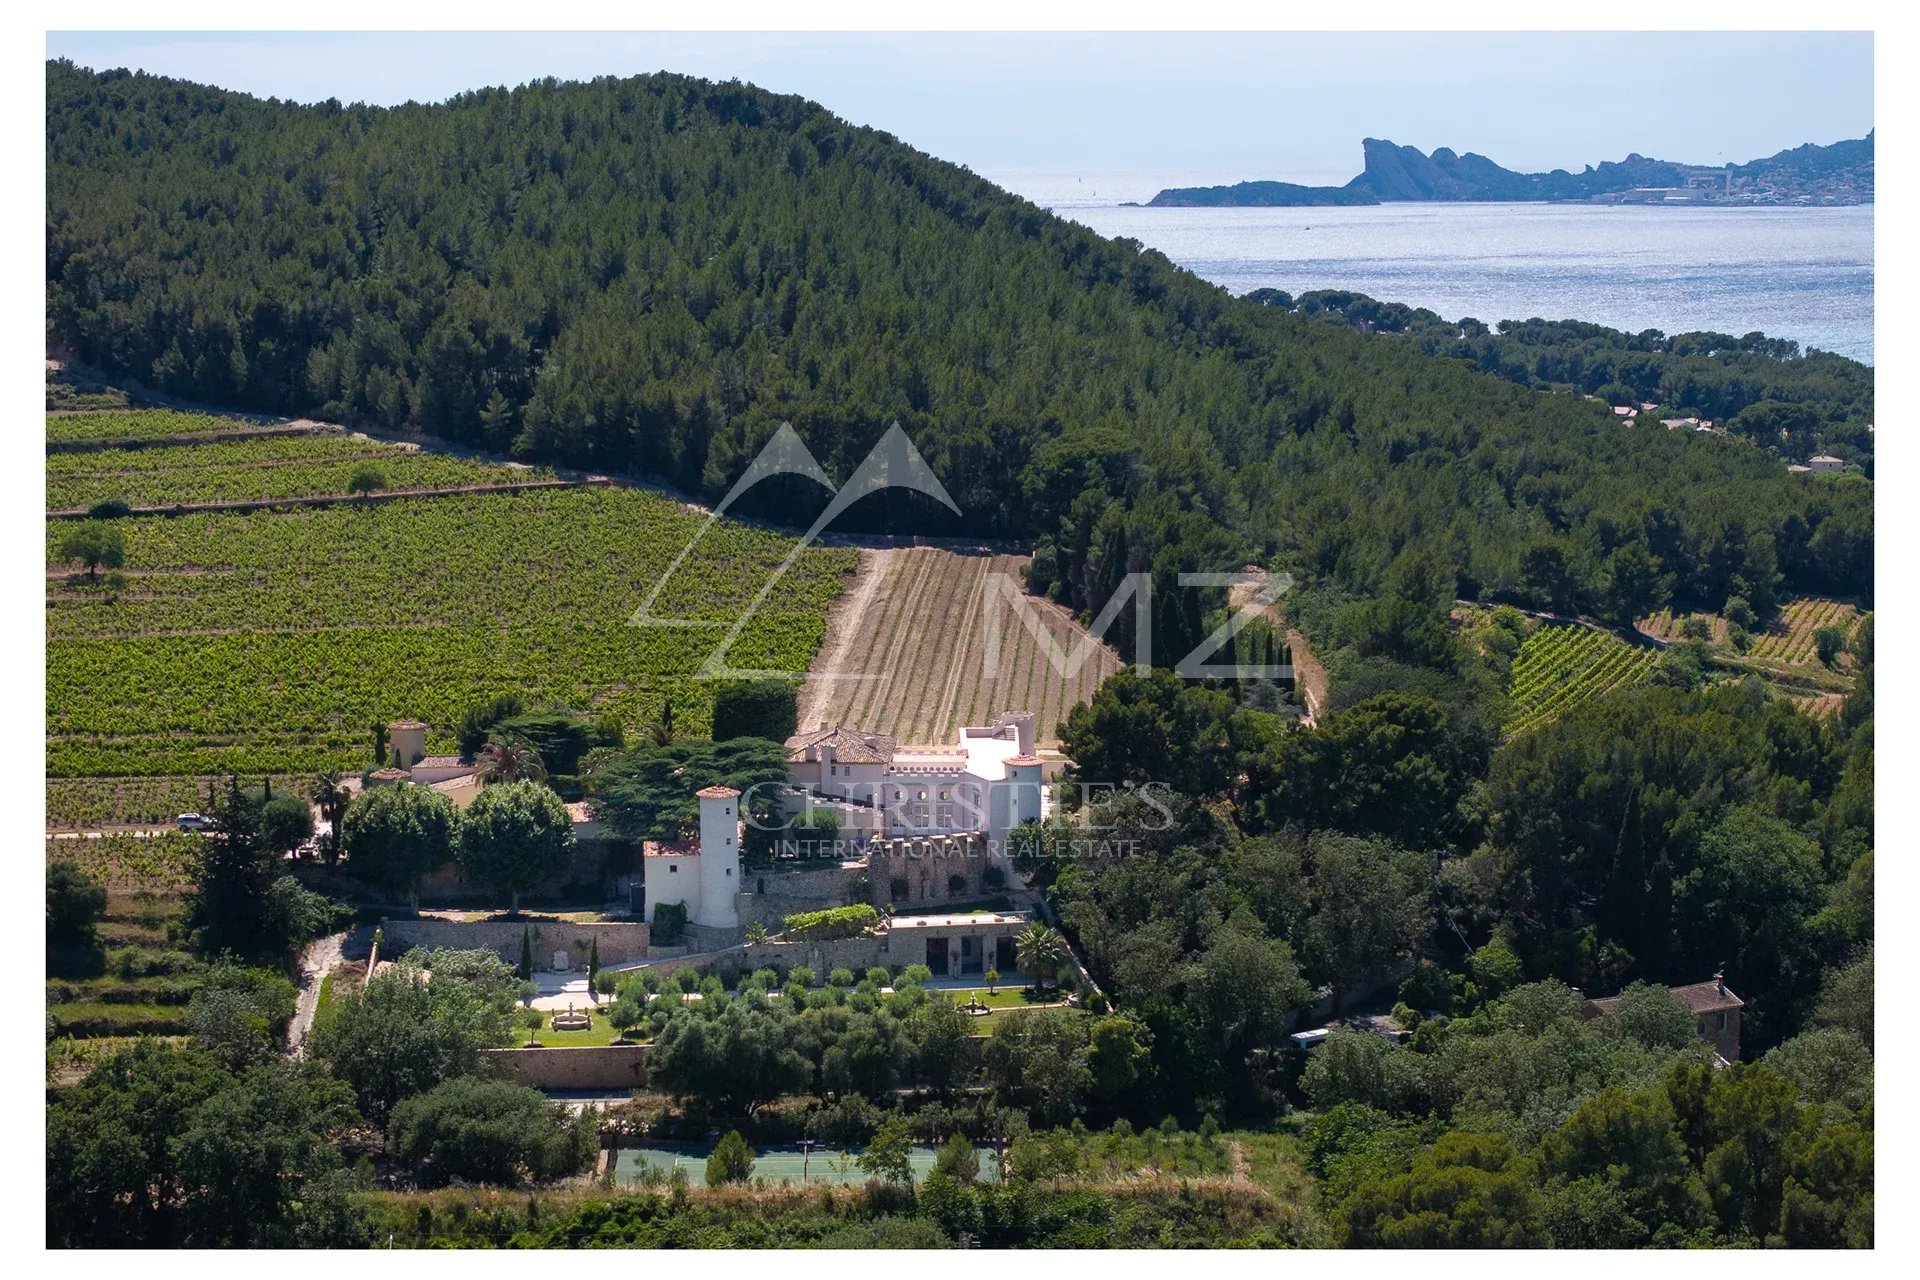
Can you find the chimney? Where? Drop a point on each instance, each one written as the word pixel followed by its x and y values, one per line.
pixel 1720 982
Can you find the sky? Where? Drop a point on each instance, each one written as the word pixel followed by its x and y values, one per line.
pixel 1026 108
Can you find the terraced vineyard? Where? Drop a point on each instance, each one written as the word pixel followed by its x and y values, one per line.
pixel 91 804
pixel 271 642
pixel 285 466
pixel 1788 639
pixel 138 424
pixel 909 646
pixel 1560 667
pixel 159 863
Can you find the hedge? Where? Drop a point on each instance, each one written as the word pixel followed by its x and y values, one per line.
pixel 836 922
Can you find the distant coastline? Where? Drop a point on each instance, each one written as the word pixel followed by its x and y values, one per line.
pixel 1812 175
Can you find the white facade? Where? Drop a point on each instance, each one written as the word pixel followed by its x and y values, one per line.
pixel 987 784
pixel 704 878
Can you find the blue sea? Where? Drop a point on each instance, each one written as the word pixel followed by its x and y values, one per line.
pixel 1799 273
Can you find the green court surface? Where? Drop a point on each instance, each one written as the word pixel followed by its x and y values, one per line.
pixel 776 1164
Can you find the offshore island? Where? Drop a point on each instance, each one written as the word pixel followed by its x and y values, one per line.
pixel 1837 174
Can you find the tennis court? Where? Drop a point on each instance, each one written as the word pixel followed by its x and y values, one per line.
pixel 776 1164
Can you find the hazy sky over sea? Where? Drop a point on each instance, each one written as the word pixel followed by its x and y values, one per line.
pixel 1243 105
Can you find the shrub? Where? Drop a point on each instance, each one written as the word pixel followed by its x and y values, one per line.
pixel 835 922
pixel 731 1161
pixel 74 904
pixel 669 921
pixel 956 885
pixel 1828 641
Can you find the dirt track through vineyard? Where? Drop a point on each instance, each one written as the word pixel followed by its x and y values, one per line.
pixel 906 652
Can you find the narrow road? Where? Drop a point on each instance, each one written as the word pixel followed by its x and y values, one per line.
pixel 316 962
pixel 846 624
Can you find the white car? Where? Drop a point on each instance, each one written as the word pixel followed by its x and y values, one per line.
pixel 192 822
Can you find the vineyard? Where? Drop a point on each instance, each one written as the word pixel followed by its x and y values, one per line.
pixel 1788 639
pixel 1559 667
pixel 911 645
pixel 266 467
pixel 271 642
pixel 164 862
pixel 138 424
pixel 90 804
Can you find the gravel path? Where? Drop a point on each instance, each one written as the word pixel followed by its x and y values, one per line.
pixel 316 962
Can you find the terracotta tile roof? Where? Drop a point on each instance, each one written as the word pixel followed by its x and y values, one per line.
pixel 1023 760
pixel 669 849
pixel 407 724
pixel 717 793
pixel 850 746
pixel 1711 996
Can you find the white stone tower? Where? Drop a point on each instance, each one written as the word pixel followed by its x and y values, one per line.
pixel 1025 790
pixel 719 858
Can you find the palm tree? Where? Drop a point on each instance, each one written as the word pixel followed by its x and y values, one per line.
pixel 329 791
pixel 1041 951
pixel 510 760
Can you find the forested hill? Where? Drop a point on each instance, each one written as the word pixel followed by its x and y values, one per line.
pixel 650 274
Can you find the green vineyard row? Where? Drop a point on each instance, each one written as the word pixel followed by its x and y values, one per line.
pixel 1560 667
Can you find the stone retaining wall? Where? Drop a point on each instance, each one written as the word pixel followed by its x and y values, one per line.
pixel 608 1067
pixel 620 940
pixel 770 896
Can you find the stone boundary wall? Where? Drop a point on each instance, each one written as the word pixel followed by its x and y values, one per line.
pixel 609 1067
pixel 790 892
pixel 822 956
pixel 621 941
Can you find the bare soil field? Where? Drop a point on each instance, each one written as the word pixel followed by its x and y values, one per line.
pixel 909 650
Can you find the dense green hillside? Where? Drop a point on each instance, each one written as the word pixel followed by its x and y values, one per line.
pixel 1766 391
pixel 650 274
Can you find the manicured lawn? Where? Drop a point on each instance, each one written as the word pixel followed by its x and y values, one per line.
pixel 1009 996
pixel 600 1033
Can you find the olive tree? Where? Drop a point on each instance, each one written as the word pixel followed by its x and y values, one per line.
pixel 515 837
